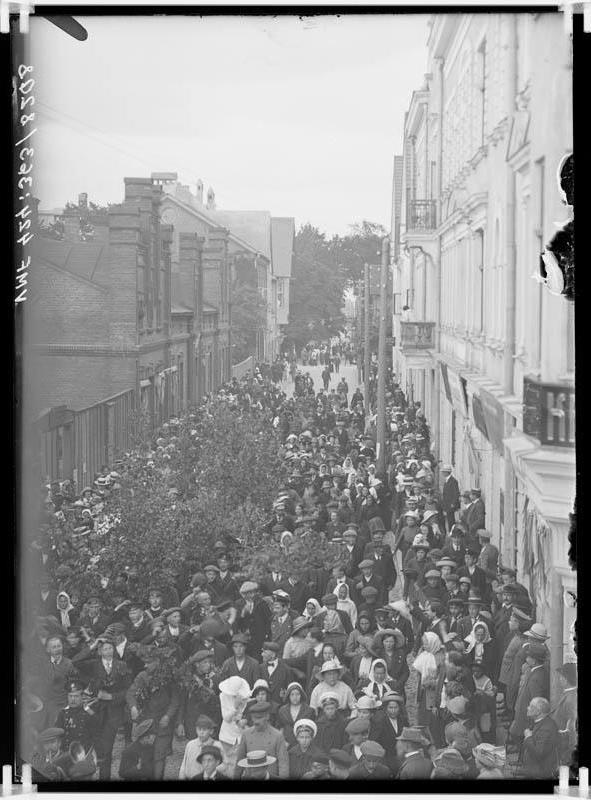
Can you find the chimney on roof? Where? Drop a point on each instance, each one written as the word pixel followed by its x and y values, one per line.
pixel 199 192
pixel 210 199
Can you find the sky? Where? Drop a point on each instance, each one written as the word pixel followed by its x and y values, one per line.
pixel 301 117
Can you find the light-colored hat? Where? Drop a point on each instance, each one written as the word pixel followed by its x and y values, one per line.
pixel 249 586
pixel 457 705
pixel 487 755
pixel 398 636
pixel 300 623
pixel 255 759
pixel 402 608
pixel 446 468
pixel 428 515
pixel 368 702
pixel 372 749
pixel 236 686
pixel 326 697
pixel 445 562
pixel 537 632
pixel 332 665
pixel 305 723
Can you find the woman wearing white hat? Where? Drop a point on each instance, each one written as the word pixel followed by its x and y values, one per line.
pixel 234 696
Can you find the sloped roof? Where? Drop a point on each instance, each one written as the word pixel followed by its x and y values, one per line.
pixel 252 226
pixel 85 260
pixel 282 238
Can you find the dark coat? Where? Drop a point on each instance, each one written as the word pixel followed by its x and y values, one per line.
pixel 300 762
pixel 285 722
pixel 415 767
pixel 375 581
pixel 133 662
pixel 298 593
pixel 138 634
pixel 361 773
pixel 117 684
pixel 540 751
pixel 537 684
pixel 450 495
pixel 331 733
pixel 278 681
pixel 251 670
pixel 383 566
pixel 137 762
pixel 476 516
pixel 257 624
pixel 478 580
pixel 384 733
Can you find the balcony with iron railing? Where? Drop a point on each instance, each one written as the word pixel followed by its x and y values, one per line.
pixel 549 412
pixel 421 215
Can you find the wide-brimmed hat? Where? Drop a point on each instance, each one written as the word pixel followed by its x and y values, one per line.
pixel 332 665
pixel 390 697
pixel 537 632
pixel 429 515
pixel 402 608
pixel 235 685
pixel 379 637
pixel 256 758
pixel 367 702
pixel 414 735
pixel 445 562
pixel 300 623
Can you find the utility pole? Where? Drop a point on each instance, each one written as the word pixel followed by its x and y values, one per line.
pixel 359 327
pixel 381 420
pixel 366 353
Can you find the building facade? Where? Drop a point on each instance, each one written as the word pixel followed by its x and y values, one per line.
pixel 478 340
pixel 112 339
pixel 257 244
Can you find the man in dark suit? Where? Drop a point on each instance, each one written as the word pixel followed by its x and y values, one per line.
pixel 297 590
pixel 450 495
pixel 478 581
pixel 276 672
pixel 383 562
pixel 254 617
pixel 540 748
pixel 109 680
pixel 273 580
pixel 456 549
pixel 410 749
pixel 388 725
pixel 352 553
pixel 369 577
pixel 476 513
pixel 228 586
pixel 536 684
pixel 239 663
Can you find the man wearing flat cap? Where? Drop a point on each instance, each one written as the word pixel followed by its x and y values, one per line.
pixel 369 577
pixel 357 730
pixel 371 766
pixel 50 760
pixel 263 737
pixel 239 663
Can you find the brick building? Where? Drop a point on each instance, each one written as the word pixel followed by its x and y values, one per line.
pixel 111 331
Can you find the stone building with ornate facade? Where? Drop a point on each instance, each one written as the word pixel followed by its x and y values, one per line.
pixel 479 341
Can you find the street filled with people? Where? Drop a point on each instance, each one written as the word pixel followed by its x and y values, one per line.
pixel 378 636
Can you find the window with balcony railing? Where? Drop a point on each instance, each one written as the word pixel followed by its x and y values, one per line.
pixel 420 215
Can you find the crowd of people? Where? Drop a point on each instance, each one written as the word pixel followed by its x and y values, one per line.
pixel 414 654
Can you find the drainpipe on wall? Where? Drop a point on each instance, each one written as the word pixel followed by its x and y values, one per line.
pixel 438 304
pixel 511 90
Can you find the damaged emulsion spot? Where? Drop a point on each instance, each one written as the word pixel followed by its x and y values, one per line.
pixel 557 262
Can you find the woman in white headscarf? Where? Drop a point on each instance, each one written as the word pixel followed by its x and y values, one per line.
pixel 481 648
pixel 348 468
pixel 66 613
pixel 345 603
pixel 430 664
pixel 312 609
